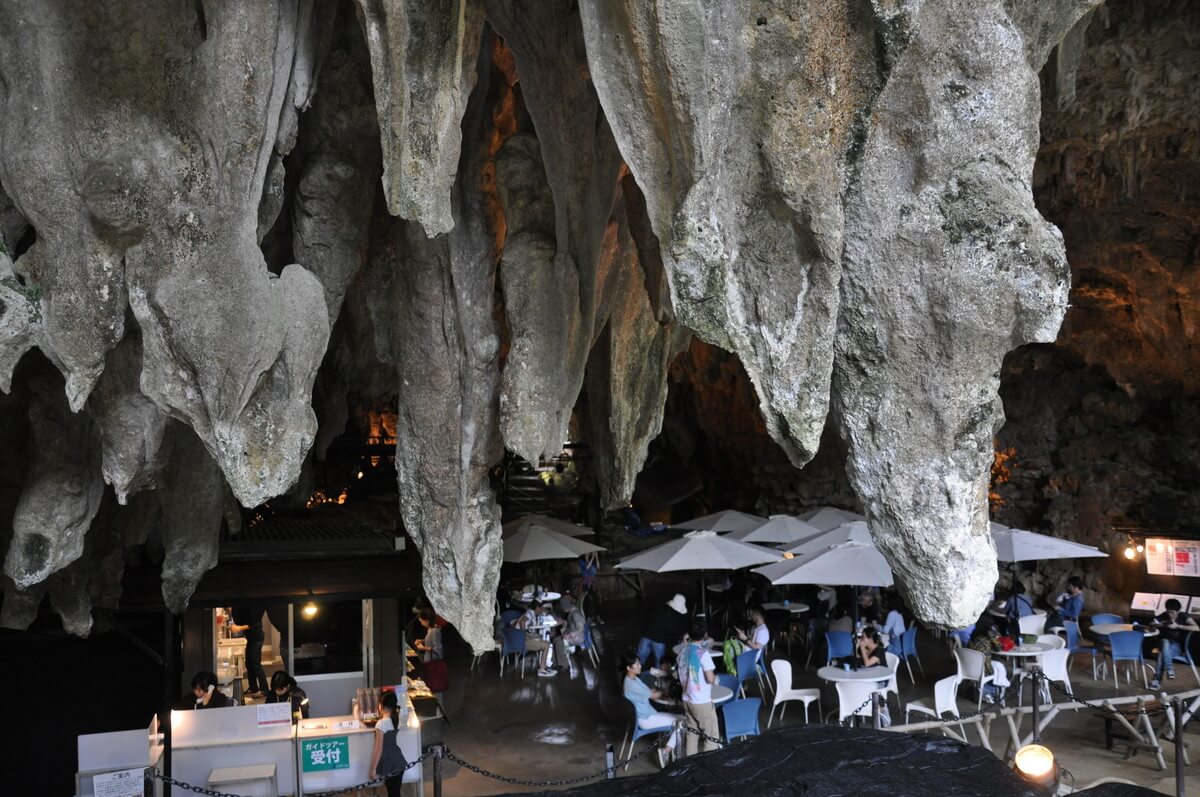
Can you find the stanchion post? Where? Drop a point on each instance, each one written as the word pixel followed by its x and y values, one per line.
pixel 876 721
pixel 437 770
pixel 1179 787
pixel 1037 695
pixel 610 762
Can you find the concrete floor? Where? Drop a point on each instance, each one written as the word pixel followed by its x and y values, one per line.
pixel 551 728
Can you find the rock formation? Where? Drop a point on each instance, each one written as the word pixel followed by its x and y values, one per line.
pixel 485 216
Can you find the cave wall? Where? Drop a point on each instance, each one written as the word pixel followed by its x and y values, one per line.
pixel 219 260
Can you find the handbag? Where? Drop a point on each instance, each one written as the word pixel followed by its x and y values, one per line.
pixel 437 675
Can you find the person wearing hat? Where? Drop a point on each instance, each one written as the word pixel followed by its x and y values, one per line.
pixel 667 625
pixel 574 628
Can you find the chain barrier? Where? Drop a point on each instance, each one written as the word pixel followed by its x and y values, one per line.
pixel 1132 712
pixel 152 773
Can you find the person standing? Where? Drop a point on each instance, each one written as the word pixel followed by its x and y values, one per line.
pixel 1173 625
pixel 247 621
pixel 667 625
pixel 697 673
pixel 387 757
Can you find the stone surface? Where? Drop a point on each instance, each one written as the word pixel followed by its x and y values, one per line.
pixel 423 61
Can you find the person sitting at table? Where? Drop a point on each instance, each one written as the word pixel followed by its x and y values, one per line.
pixel 759 637
pixel 206 693
pixel 387 757
pixel 639 694
pixel 893 624
pixel 529 622
pixel 868 610
pixel 284 689
pixel 574 627
pixel 1173 625
pixel 983 639
pixel 666 626
pixel 1017 605
pixel 842 620
pixel 697 674
pixel 869 649
pixel 1068 605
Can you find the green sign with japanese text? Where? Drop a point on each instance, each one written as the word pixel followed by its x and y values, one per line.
pixel 319 755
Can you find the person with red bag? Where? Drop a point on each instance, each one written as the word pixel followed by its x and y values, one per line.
pixel 433 661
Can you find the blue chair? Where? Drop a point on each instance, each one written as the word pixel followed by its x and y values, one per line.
pixel 747 669
pixel 636 733
pixel 589 644
pixel 1127 646
pixel 507 617
pixel 512 643
pixel 728 681
pixel 840 645
pixel 1186 656
pixel 906 648
pixel 1075 645
pixel 1106 619
pixel 741 718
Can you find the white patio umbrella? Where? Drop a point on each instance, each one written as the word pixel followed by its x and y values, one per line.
pixel 544 522
pixel 850 564
pixel 535 543
pixel 828 517
pixel 699 550
pixel 726 520
pixel 855 532
pixel 1019 545
pixel 779 529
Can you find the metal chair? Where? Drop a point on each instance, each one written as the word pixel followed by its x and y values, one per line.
pixel 784 693
pixel 512 644
pixel 741 717
pixel 1127 646
pixel 840 645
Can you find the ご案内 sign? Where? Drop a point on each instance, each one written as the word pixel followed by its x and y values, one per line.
pixel 126 783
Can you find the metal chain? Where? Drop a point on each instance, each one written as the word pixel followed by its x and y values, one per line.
pixel 1149 712
pixel 152 773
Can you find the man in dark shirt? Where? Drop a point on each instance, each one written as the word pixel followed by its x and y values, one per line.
pixel 247 620
pixel 667 625
pixel 1173 628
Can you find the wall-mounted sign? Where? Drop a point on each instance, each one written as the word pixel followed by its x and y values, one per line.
pixel 274 714
pixel 1165 557
pixel 320 755
pixel 126 783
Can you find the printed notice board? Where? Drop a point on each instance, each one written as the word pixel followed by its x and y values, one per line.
pixel 126 783
pixel 320 755
pixel 274 714
pixel 1166 557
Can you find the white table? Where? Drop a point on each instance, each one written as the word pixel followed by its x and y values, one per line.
pixel 545 597
pixel 721 694
pixel 794 608
pixel 1026 650
pixel 835 674
pixel 1104 629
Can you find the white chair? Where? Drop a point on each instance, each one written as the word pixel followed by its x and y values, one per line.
pixel 1032 624
pixel 893 686
pixel 1053 640
pixel 945 701
pixel 784 693
pixel 970 668
pixel 854 698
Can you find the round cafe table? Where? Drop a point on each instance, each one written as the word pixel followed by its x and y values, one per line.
pixel 721 694
pixel 1104 629
pixel 1026 650
pixel 793 607
pixel 545 597
pixel 835 674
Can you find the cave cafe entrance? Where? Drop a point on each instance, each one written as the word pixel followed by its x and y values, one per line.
pixel 331 595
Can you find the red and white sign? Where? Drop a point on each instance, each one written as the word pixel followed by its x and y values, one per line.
pixel 274 714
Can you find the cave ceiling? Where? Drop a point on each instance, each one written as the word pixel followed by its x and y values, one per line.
pixel 230 227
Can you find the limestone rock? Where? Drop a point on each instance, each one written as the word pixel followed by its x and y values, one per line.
pixel 423 61
pixel 943 198
pixel 193 505
pixel 21 325
pixel 62 490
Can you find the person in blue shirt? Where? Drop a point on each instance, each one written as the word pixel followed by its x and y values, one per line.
pixel 639 694
pixel 1068 605
pixel 1017 606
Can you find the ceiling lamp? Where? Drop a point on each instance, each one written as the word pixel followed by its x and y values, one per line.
pixel 309 611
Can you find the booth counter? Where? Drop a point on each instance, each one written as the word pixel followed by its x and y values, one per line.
pixel 350 744
pixel 214 739
pixel 103 753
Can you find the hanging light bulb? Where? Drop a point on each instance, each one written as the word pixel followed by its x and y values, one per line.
pixel 1140 547
pixel 1129 552
pixel 309 611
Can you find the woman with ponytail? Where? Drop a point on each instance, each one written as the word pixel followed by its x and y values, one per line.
pixel 387 757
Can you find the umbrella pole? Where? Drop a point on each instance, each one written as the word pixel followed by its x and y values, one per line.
pixel 703 597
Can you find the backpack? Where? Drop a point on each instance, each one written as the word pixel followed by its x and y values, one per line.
pixel 733 647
